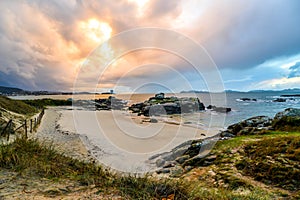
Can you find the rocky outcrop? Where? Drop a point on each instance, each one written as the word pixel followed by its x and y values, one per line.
pixel 161 105
pixel 185 157
pixel 111 103
pixel 288 120
pixel 195 153
pixel 253 125
pixel 289 112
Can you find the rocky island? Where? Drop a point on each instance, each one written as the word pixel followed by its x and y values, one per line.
pixel 161 105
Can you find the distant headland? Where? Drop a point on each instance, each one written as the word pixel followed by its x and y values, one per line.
pixel 14 91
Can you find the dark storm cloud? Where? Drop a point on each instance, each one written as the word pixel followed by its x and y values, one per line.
pixel 253 31
pixel 41 41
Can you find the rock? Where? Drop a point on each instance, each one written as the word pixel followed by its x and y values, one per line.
pixel 248 126
pixel 153 120
pixel 161 105
pixel 160 96
pixel 185 145
pixel 221 109
pixel 290 95
pixel 136 107
pixel 246 131
pixel 154 156
pixel 289 112
pixel 105 104
pixel 176 171
pixel 182 159
pixel 210 107
pixel 160 162
pixel 194 148
pixel 163 171
pixel 211 158
pixel 194 161
pixel 226 134
pixel 169 164
pixel 288 120
pixel 279 100
pixel 247 99
pixel 174 154
pixel 188 168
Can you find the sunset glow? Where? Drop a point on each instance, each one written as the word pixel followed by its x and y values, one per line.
pixel 48 41
pixel 96 30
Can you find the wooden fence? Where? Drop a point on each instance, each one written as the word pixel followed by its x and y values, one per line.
pixel 28 125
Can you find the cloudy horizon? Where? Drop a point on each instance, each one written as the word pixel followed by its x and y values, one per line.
pixel 46 44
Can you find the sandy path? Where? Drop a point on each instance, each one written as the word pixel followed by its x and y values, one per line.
pixel 50 133
pixel 114 138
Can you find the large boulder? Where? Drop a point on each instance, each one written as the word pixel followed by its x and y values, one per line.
pixel 289 112
pixel 288 120
pixel 253 125
pixel 190 154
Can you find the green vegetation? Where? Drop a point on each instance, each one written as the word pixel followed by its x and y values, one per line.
pixel 254 167
pixel 16 106
pixel 287 123
pixel 273 160
pixel 246 167
pixel 30 159
pixel 42 103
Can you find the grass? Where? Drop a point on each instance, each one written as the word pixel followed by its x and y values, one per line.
pixel 247 167
pixel 273 160
pixel 42 103
pixel 259 164
pixel 30 158
pixel 287 123
pixel 16 106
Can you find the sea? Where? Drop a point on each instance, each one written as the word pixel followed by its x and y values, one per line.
pixel 260 103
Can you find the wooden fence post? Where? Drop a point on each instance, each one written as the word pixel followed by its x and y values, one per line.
pixel 3 131
pixel 30 125
pixel 25 127
pixel 9 129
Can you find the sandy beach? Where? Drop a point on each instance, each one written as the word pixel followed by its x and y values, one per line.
pixel 117 139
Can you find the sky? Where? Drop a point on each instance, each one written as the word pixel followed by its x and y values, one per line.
pixel 76 45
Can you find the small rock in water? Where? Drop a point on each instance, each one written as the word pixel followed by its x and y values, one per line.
pixel 153 120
